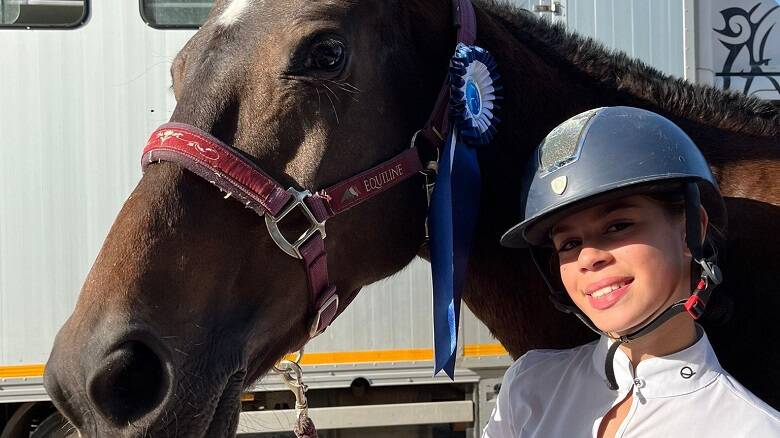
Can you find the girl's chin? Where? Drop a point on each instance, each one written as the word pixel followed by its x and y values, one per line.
pixel 625 317
pixel 617 327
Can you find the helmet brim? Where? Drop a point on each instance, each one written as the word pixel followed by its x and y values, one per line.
pixel 536 231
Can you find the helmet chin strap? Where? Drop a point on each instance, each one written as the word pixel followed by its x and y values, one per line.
pixel 694 305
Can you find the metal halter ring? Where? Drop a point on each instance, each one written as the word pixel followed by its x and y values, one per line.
pixel 430 166
pixel 292 375
pixel 272 223
pixel 282 362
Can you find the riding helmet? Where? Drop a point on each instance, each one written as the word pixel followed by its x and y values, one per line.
pixel 608 153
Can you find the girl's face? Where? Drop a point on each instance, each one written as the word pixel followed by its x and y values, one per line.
pixel 623 262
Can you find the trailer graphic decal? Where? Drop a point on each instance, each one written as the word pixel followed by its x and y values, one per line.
pixel 746 31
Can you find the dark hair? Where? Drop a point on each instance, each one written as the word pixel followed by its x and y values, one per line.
pixel 673 202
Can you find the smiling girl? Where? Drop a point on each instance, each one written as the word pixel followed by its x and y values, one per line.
pixel 620 215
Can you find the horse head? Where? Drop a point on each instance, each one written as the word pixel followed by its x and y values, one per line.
pixel 190 299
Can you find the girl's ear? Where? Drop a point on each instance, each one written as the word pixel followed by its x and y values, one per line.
pixel 704 220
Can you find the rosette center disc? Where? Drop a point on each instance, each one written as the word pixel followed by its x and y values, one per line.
pixel 473 98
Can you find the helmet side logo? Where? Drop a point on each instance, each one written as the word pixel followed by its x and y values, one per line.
pixel 559 184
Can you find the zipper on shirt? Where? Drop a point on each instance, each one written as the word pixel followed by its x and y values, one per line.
pixel 597 424
pixel 636 395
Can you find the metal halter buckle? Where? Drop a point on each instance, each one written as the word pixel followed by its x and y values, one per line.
pixel 272 223
pixel 313 329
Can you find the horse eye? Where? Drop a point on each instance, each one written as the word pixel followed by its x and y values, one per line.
pixel 327 55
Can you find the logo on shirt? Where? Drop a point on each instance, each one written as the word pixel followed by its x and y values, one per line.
pixel 687 372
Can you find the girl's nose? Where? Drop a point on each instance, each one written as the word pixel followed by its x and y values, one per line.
pixel 592 259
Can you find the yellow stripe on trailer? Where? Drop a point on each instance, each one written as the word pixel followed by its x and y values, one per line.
pixel 342 357
pixel 345 357
pixel 21 371
pixel 478 350
pixel 318 358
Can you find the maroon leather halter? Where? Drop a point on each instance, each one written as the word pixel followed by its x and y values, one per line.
pixel 223 166
pixel 239 177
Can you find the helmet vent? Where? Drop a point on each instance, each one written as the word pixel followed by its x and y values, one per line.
pixel 562 145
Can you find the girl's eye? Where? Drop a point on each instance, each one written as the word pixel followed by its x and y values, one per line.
pixel 618 227
pixel 568 245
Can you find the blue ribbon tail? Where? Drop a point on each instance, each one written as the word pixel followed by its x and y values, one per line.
pixel 444 334
pixel 457 190
pixel 466 189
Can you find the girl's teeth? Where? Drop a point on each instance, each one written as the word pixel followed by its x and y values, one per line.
pixel 605 290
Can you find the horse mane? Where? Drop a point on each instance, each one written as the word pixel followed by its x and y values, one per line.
pixel 577 54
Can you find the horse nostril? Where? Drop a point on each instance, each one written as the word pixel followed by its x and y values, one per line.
pixel 131 382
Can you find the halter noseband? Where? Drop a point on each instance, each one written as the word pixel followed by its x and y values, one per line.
pixel 236 175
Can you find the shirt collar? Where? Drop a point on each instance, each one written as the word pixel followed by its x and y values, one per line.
pixel 679 373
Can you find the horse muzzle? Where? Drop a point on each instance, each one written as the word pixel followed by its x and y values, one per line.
pixel 130 385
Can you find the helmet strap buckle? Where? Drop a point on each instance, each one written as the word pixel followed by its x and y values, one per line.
pixel 695 306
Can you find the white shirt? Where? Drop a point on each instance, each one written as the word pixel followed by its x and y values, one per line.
pixel 563 393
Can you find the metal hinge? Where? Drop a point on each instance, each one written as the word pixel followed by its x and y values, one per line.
pixel 555 8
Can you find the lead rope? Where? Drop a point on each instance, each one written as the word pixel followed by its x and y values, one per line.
pixel 292 375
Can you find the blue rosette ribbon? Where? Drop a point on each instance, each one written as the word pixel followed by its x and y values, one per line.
pixel 455 200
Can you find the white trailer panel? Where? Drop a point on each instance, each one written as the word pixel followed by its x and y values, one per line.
pixel 651 30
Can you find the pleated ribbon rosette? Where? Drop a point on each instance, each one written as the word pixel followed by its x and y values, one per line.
pixel 456 196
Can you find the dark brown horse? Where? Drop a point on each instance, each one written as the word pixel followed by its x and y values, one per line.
pixel 189 300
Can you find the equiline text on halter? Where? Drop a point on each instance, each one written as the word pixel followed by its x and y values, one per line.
pixel 235 174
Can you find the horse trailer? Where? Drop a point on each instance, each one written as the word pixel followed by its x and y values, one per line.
pixel 84 82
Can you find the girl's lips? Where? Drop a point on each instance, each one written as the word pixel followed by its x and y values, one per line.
pixel 604 282
pixel 606 301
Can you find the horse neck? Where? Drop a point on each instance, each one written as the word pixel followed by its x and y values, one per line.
pixel 542 88
pixel 549 76
pixel 537 96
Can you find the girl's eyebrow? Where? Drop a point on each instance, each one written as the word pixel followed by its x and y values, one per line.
pixel 604 210
pixel 620 204
pixel 558 229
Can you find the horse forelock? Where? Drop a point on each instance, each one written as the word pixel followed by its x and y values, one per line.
pixel 578 55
